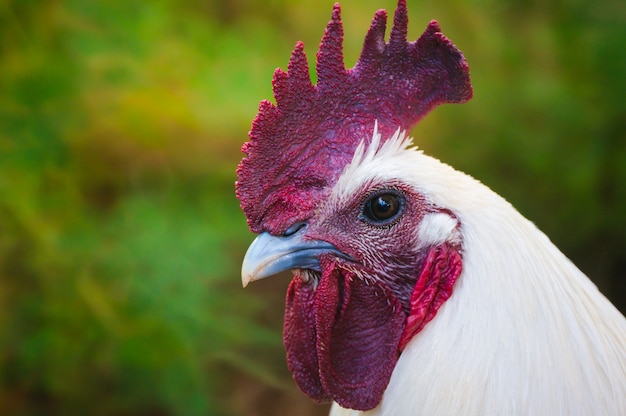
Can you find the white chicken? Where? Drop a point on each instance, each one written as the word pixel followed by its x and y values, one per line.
pixel 417 290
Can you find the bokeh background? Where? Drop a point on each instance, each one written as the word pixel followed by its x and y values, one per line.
pixel 120 129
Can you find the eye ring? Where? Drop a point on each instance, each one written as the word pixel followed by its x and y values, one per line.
pixel 382 207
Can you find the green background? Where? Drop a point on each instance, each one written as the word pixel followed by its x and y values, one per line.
pixel 120 129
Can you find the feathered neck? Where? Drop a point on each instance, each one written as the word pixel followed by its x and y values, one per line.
pixel 525 331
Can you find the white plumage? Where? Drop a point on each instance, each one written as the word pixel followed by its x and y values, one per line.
pixel 524 333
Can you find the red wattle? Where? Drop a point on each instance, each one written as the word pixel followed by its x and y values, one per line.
pixel 300 339
pixel 341 338
pixel 358 329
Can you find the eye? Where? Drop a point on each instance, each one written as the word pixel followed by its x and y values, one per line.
pixel 382 207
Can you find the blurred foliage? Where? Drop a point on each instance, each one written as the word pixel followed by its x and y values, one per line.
pixel 120 129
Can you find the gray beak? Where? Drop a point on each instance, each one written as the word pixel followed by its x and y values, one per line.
pixel 269 255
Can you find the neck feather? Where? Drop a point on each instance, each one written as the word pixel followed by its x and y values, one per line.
pixel 525 331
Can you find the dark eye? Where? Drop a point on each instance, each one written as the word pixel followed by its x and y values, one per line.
pixel 382 207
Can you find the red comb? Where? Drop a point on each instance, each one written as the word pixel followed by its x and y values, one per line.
pixel 299 146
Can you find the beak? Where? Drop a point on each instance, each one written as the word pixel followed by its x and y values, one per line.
pixel 269 255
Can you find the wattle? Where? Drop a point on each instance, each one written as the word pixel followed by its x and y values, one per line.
pixel 342 338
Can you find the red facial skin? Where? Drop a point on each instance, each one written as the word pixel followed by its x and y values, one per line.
pixel 345 328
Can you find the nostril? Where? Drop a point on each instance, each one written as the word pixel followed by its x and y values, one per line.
pixel 294 228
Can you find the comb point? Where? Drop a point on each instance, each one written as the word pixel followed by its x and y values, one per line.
pixel 298 70
pixel 374 44
pixel 280 87
pixel 264 123
pixel 294 85
pixel 330 66
pixel 399 31
pixel 433 27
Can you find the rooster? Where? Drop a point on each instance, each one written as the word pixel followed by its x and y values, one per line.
pixel 416 290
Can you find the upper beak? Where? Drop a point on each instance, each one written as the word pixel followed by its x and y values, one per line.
pixel 269 255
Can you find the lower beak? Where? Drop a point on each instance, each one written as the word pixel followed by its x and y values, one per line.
pixel 269 255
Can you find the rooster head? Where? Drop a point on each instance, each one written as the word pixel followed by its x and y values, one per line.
pixel 369 271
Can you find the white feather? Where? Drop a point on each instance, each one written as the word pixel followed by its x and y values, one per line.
pixel 435 229
pixel 524 333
